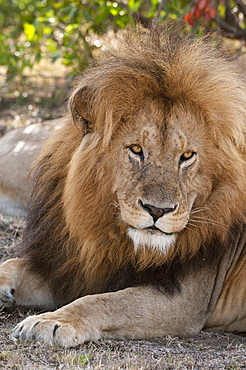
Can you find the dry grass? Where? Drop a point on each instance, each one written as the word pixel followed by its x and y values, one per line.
pixel 208 350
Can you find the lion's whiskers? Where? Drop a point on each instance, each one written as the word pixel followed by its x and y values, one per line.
pixel 115 204
pixel 198 209
pixel 202 220
pixel 187 227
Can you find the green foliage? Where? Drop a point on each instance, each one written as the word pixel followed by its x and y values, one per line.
pixel 31 30
pixel 70 30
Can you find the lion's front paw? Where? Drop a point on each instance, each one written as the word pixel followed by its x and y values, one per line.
pixel 10 277
pixel 49 329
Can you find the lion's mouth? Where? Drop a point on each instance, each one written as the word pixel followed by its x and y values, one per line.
pixel 153 227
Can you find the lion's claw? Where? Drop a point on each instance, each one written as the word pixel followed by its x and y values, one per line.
pixel 30 330
pixel 49 331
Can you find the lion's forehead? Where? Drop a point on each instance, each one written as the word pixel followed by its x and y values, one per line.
pixel 164 127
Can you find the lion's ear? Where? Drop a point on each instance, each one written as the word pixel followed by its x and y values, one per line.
pixel 80 109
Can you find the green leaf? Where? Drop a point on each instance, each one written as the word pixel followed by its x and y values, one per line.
pixel 29 31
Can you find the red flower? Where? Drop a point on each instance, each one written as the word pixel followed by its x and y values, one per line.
pixel 202 9
pixel 188 18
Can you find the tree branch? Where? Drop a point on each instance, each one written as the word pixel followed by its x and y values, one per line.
pixel 242 6
pixel 234 32
pixel 158 14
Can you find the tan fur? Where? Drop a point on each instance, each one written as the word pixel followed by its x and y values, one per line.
pixel 139 200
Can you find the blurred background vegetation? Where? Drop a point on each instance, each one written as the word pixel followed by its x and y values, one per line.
pixel 55 39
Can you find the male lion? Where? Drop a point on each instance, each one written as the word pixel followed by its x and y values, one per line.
pixel 139 201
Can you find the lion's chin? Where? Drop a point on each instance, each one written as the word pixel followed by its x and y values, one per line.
pixel 153 239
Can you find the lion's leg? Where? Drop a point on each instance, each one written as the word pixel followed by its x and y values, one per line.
pixel 19 286
pixel 132 313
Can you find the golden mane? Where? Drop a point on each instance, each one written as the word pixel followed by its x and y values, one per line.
pixel 73 214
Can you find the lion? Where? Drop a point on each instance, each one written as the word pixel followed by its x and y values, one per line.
pixel 136 222
pixel 18 150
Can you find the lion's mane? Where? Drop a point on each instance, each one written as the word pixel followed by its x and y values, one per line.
pixel 74 236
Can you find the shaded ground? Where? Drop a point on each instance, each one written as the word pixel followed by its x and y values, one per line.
pixel 209 350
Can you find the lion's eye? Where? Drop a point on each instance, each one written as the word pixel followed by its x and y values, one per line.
pixel 136 149
pixel 186 155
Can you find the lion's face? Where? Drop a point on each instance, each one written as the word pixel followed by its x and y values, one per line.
pixel 162 156
pixel 159 177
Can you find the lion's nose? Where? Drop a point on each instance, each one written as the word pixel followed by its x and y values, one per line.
pixel 156 212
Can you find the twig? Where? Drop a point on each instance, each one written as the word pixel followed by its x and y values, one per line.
pixel 242 6
pixel 159 9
